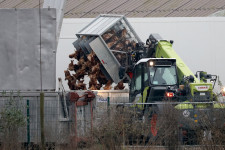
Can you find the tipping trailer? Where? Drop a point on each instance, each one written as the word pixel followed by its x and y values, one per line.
pixel 153 70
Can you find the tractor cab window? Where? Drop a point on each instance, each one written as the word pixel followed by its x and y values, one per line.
pixel 136 81
pixel 135 87
pixel 163 75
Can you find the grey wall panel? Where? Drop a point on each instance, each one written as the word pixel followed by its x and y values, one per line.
pixel 59 6
pixel 20 49
pixel 7 47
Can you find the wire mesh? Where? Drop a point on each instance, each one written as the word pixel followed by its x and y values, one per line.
pixel 108 123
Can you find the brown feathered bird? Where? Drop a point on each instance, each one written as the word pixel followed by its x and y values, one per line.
pixel 95 68
pixel 80 74
pixel 72 84
pixel 119 46
pixel 90 65
pixel 124 33
pixel 133 44
pixel 76 67
pixel 108 85
pixel 115 38
pixel 107 36
pixel 81 61
pixel 71 66
pixel 98 86
pixel 93 87
pixel 101 78
pixel 67 74
pixel 72 55
pixel 110 44
pixel 93 80
pixel 119 86
pixel 81 85
pixel 78 54
pixel 127 42
pixel 91 56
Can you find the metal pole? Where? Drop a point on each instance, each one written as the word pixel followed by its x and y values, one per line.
pixel 108 101
pixel 75 123
pixel 108 105
pixel 91 118
pixel 28 124
pixel 91 122
pixel 42 120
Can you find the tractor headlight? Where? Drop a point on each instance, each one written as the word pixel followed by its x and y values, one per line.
pixel 223 89
pixel 151 63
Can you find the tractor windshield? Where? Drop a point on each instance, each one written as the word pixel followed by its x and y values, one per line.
pixel 163 75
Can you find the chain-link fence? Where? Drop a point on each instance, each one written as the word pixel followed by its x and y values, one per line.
pixel 107 122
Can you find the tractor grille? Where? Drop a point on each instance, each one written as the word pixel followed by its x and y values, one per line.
pixel 201 96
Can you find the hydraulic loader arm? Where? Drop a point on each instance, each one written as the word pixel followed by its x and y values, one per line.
pixel 163 49
pixel 159 48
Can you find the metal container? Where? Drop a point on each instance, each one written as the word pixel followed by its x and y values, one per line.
pixel 92 37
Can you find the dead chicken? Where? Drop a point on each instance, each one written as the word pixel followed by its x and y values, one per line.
pixel 78 54
pixel 101 78
pixel 93 87
pixel 71 66
pixel 67 74
pixel 80 74
pixel 93 80
pixel 81 85
pixel 76 67
pixel 108 85
pixel 72 55
pixel 119 46
pixel 119 86
pixel 110 44
pixel 81 61
pixel 127 43
pixel 72 84
pixel 124 33
pixel 91 56
pixel 69 78
pixel 98 86
pixel 115 38
pixel 95 68
pixel 107 36
pixel 133 44
pixel 88 66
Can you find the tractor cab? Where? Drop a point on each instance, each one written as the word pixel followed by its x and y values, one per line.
pixel 154 77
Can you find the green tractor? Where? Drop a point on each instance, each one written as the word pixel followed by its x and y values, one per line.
pixel 162 79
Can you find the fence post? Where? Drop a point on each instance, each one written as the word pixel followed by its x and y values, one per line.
pixel 42 120
pixel 108 101
pixel 28 123
pixel 108 105
pixel 75 122
pixel 91 117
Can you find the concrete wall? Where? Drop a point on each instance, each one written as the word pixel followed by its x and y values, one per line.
pixel 20 49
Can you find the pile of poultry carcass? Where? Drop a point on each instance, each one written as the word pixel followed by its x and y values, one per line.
pixel 120 44
pixel 90 65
